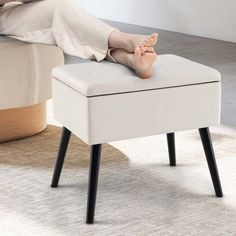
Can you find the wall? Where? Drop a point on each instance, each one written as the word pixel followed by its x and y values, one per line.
pixel 207 18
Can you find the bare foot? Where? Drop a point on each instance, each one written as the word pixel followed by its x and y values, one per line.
pixel 130 42
pixel 142 41
pixel 142 63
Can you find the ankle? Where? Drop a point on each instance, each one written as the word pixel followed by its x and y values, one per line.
pixel 130 60
pixel 115 38
pixel 121 40
pixel 122 56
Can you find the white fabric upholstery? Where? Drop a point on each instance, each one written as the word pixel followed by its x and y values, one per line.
pixel 25 72
pixel 171 102
pixel 92 79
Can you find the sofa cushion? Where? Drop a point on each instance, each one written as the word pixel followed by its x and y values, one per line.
pixel 25 72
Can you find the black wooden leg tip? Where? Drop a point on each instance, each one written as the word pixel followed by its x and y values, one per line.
pixel 219 195
pixel 89 222
pixel 54 185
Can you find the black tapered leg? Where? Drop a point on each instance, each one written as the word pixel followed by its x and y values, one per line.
pixel 171 148
pixel 65 138
pixel 95 155
pixel 210 156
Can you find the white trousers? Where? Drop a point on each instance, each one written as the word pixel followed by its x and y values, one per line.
pixel 57 22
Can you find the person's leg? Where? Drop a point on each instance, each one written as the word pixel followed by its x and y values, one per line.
pixel 28 22
pixel 59 22
pixel 66 24
pixel 91 35
pixel 99 37
pixel 66 20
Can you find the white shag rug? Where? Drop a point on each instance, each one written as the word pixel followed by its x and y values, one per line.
pixel 138 193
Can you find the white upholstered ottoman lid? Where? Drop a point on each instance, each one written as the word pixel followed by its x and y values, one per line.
pixel 93 78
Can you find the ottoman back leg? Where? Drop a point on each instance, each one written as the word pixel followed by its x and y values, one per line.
pixel 210 156
pixel 95 155
pixel 65 138
pixel 171 148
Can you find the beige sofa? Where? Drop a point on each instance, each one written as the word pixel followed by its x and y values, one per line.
pixel 25 85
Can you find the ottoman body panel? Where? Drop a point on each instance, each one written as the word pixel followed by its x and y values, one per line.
pixel 71 109
pixel 102 119
pixel 161 111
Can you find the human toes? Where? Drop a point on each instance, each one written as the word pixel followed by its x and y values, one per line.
pixel 143 49
pixel 154 38
pixel 150 41
pixel 137 53
pixel 147 49
pixel 150 49
pixel 145 43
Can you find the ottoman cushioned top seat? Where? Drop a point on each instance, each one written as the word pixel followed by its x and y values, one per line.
pixel 110 78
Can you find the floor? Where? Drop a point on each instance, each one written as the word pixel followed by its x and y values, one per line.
pixel 139 194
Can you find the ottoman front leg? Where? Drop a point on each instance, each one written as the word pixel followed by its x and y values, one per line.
pixel 171 148
pixel 95 155
pixel 210 156
pixel 65 138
